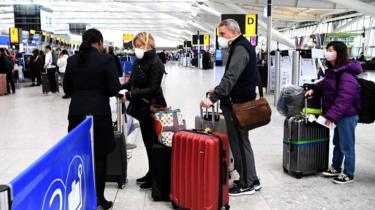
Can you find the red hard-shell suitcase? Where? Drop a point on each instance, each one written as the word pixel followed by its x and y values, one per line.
pixel 199 176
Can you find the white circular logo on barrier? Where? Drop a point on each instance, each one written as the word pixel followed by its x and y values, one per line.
pixel 67 195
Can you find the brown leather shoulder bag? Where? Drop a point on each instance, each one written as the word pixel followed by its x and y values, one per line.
pixel 252 114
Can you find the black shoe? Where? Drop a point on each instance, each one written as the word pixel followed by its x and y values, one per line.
pixel 104 204
pixel 146 186
pixel 143 179
pixel 32 85
pixel 331 172
pixel 256 184
pixel 343 179
pixel 237 190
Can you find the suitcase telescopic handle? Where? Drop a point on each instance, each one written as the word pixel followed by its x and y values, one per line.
pixel 120 125
pixel 213 115
pixel 305 111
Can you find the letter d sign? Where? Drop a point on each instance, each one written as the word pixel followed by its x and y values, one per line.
pixel 251 25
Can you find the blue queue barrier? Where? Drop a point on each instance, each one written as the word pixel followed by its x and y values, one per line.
pixel 62 179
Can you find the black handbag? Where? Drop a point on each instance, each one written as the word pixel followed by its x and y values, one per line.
pixel 138 109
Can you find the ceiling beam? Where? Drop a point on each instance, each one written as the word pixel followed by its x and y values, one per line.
pixel 357 5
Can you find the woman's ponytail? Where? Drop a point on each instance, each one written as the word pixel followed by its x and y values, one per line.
pixel 84 49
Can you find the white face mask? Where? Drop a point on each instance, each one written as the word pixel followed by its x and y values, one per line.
pixel 139 53
pixel 330 56
pixel 223 42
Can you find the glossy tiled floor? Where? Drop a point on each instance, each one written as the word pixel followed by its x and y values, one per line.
pixel 30 123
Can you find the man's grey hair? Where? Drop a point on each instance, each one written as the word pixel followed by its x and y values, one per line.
pixel 231 24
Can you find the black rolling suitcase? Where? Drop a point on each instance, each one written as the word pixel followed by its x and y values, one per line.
pixel 45 83
pixel 305 146
pixel 117 161
pixel 57 81
pixel 161 172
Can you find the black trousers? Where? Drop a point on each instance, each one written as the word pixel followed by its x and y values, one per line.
pixel 100 175
pixel 36 75
pixel 148 136
pixel 100 153
pixel 10 80
pixel 51 73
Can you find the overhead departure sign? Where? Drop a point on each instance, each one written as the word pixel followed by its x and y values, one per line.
pixel 251 25
pixel 127 37
pixel 206 40
pixel 248 23
pixel 15 35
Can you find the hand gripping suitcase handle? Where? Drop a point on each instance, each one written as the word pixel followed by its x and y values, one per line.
pixel 213 114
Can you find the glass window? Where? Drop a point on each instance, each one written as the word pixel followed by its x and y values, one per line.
pixel 366 23
pixel 330 27
pixel 371 38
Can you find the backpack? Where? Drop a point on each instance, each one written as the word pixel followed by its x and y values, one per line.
pixel 366 113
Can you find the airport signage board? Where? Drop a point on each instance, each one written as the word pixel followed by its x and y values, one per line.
pixel 251 25
pixel 206 40
pixel 248 23
pixel 62 179
pixel 127 37
pixel 15 35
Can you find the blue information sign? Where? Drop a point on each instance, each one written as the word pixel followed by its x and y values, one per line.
pixel 218 55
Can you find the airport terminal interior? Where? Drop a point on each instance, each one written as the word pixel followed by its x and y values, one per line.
pixel 34 121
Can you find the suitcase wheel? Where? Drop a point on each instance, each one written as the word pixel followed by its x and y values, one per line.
pixel 227 207
pixel 285 170
pixel 120 185
pixel 174 205
pixel 299 175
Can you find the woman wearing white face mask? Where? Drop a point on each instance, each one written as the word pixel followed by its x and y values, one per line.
pixel 144 89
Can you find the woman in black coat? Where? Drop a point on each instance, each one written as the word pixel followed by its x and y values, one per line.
pixel 144 89
pixel 91 79
pixel 36 67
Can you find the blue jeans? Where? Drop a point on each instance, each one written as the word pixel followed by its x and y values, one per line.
pixel 344 141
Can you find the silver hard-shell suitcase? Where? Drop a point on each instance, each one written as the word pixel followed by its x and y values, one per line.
pixel 305 147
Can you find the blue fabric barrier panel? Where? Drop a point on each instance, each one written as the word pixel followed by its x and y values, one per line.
pixel 62 179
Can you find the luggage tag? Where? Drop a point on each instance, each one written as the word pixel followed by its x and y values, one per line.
pixel 311 118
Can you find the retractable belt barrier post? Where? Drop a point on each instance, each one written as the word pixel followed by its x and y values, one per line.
pixel 62 179
pixel 5 200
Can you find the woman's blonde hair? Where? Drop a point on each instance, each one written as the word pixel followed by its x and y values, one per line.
pixel 147 39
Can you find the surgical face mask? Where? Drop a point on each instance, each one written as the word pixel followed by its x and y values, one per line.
pixel 330 56
pixel 139 53
pixel 223 42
